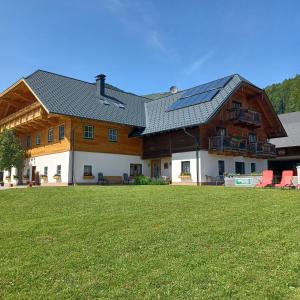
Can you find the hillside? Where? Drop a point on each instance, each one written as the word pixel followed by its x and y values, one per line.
pixel 285 96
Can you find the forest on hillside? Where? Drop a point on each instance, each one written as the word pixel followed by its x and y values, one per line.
pixel 285 96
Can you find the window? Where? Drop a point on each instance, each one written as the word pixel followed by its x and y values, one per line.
pixel 221 131
pixel 58 170
pixel 236 105
pixel 166 166
pixel 88 132
pixel 252 137
pixel 28 141
pixel 239 167
pixel 9 172
pixel 185 167
pixel 38 139
pixel 253 167
pixel 50 135
pixel 61 132
pixel 135 169
pixel 221 167
pixel 112 135
pixel 87 171
pixel 46 171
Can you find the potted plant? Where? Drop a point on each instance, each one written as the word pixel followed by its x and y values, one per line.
pixel 15 179
pixel 44 178
pixel 57 177
pixel 25 179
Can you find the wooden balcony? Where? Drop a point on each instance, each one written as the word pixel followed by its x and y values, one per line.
pixel 23 117
pixel 226 145
pixel 245 117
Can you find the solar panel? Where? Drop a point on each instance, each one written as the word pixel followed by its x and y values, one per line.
pixel 193 100
pixel 216 84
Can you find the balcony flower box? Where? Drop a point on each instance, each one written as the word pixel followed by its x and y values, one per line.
pixel 88 177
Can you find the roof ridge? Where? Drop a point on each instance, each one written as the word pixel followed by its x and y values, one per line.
pixel 117 90
pixel 232 75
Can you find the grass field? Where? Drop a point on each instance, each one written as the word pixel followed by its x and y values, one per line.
pixel 142 242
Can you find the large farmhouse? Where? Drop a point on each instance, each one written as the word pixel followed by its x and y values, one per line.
pixel 73 130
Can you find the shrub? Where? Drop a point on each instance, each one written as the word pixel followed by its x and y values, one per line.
pixel 142 180
pixel 157 181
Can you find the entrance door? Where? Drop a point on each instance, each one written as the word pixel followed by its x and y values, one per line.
pixel 33 173
pixel 155 168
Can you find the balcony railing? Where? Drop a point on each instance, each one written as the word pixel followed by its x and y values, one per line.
pixel 230 145
pixel 245 116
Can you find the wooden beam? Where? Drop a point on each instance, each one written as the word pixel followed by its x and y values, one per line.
pixel 19 96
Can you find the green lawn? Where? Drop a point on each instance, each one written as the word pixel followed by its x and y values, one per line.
pixel 142 242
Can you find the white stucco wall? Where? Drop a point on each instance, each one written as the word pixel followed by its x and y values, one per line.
pixel 108 164
pixel 208 165
pixel 177 158
pixel 51 161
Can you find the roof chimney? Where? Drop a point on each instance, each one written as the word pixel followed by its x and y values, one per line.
pixel 173 89
pixel 100 84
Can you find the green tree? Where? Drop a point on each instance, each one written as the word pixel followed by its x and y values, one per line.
pixel 285 96
pixel 11 151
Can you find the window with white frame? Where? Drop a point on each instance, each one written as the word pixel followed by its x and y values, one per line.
pixel 185 167
pixel 45 171
pixel 88 132
pixel 112 135
pixel 58 170
pixel 50 135
pixel 87 171
pixel 61 132
pixel 37 139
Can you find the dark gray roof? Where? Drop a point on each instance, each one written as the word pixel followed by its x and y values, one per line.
pixel 68 96
pixel 291 124
pixel 159 119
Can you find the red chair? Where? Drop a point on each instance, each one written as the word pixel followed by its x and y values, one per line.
pixel 267 179
pixel 286 179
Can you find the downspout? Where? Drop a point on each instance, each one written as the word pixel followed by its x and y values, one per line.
pixel 197 146
pixel 73 152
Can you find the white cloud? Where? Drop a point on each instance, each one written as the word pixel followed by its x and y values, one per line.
pixel 197 64
pixel 138 18
pixel 154 38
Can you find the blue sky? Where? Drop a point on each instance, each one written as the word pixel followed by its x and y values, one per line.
pixel 147 46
